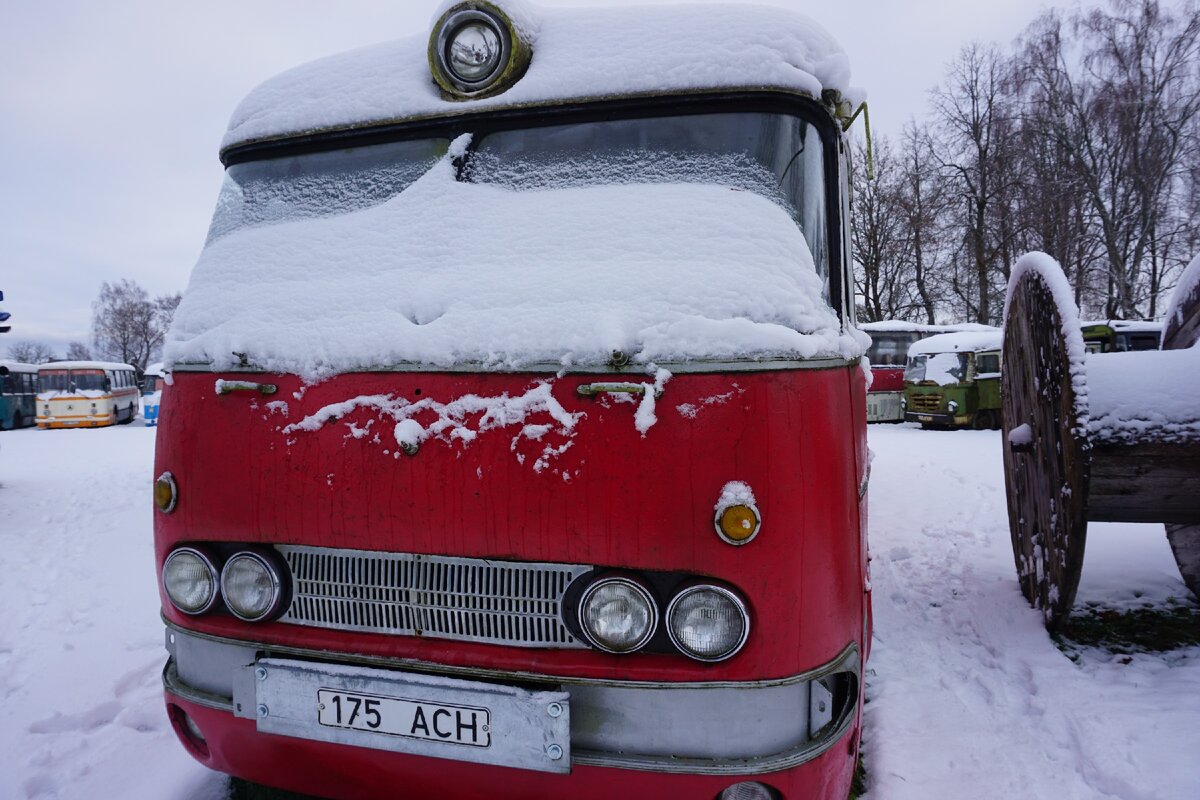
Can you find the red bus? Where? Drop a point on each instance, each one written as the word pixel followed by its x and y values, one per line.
pixel 516 440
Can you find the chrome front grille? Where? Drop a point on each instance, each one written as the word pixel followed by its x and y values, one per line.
pixel 409 594
pixel 925 402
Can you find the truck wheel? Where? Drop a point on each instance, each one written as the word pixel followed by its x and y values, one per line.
pixel 982 421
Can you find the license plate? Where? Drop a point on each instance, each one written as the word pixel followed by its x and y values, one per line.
pixel 406 712
pixel 399 716
pixel 924 418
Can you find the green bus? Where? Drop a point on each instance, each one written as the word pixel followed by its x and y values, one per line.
pixel 1120 335
pixel 953 381
pixel 18 395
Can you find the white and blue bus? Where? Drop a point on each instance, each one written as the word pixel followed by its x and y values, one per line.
pixel 18 394
pixel 86 394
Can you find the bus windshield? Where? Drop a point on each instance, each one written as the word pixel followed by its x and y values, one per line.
pixel 778 156
pixel 890 349
pixel 76 380
pixel 940 368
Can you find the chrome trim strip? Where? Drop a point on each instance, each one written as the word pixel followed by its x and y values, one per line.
pixel 172 684
pixel 847 659
pixel 515 603
pixel 723 766
pixel 552 367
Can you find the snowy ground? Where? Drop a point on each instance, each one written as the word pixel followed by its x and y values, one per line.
pixel 968 696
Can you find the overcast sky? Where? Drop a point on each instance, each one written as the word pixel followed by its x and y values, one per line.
pixel 112 113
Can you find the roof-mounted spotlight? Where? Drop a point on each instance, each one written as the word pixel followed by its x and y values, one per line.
pixel 475 50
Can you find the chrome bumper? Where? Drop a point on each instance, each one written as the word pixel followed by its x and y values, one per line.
pixel 713 728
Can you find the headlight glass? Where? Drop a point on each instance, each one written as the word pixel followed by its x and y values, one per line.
pixel 473 52
pixel 251 586
pixel 618 615
pixel 190 580
pixel 708 623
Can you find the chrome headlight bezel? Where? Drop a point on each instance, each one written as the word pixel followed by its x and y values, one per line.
pixel 639 591
pixel 721 591
pixel 275 575
pixel 510 63
pixel 214 577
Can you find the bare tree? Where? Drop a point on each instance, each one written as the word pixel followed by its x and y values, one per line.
pixel 27 352
pixel 1123 108
pixel 78 351
pixel 922 201
pixel 127 325
pixel 880 238
pixel 974 123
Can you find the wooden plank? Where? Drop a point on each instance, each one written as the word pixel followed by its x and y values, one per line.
pixel 1146 482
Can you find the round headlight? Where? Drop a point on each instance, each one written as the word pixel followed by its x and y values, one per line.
pixel 708 623
pixel 476 50
pixel 190 580
pixel 618 615
pixel 252 587
pixel 473 51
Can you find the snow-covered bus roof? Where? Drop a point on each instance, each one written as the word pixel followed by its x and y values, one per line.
pixel 17 366
pixel 577 54
pixel 963 341
pixel 84 365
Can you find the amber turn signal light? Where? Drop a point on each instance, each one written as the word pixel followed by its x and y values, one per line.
pixel 738 523
pixel 166 493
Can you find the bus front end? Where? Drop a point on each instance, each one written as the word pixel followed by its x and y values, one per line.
pixel 515 447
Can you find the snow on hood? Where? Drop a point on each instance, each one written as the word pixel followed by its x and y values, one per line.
pixel 449 272
pixel 584 53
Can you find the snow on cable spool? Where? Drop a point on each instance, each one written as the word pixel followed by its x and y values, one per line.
pixel 1052 276
pixel 1151 395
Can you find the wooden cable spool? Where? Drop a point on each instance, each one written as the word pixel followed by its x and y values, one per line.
pixel 1059 472
pixel 1046 471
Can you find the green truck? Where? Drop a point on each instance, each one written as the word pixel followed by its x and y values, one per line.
pixel 953 381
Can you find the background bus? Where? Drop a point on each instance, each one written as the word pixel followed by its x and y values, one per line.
pixel 18 394
pixel 1119 335
pixel 953 380
pixel 153 381
pixel 888 355
pixel 87 394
